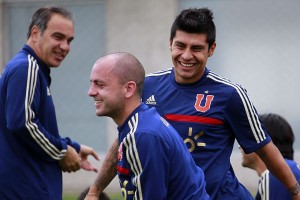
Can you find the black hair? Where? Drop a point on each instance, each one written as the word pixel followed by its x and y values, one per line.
pixel 281 133
pixel 41 17
pixel 195 20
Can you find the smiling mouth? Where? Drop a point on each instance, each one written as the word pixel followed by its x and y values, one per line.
pixel 186 64
pixel 59 55
pixel 97 102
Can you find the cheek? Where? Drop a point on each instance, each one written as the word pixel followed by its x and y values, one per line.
pixel 109 95
pixel 175 54
pixel 201 57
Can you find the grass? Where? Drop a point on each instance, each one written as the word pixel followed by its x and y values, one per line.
pixel 70 197
pixel 114 196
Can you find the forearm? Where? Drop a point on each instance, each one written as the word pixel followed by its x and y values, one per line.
pixel 278 167
pixel 108 170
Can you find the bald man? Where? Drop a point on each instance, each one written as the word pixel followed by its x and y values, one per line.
pixel 153 161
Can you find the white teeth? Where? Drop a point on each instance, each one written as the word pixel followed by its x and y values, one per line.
pixel 59 55
pixel 186 65
pixel 97 102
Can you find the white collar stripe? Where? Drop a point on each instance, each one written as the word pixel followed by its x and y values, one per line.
pixel 159 73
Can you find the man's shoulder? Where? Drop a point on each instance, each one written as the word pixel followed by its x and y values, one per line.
pixel 224 84
pixel 156 80
pixel 159 74
pixel 20 59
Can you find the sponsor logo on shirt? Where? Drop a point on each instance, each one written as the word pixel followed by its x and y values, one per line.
pixel 151 100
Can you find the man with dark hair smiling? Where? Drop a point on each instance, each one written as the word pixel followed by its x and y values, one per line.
pixel 208 111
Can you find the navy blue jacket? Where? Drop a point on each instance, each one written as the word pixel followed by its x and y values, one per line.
pixel 154 163
pixel 30 144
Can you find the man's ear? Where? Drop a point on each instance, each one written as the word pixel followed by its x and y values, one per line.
pixel 212 49
pixel 170 45
pixel 35 31
pixel 130 89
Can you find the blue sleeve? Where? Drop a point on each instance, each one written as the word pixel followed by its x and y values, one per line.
pixel 72 143
pixel 270 188
pixel 277 190
pixel 146 163
pixel 23 101
pixel 243 119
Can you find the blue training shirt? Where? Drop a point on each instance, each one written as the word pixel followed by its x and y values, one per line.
pixel 270 188
pixel 153 161
pixel 209 115
pixel 30 144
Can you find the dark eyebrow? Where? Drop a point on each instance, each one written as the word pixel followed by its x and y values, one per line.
pixel 62 36
pixel 178 42
pixel 198 46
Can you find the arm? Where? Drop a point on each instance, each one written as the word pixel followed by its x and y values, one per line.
pixel 277 166
pixel 251 135
pixel 30 114
pixel 106 174
pixel 31 118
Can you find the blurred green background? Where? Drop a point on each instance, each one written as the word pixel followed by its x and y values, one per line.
pixel 113 196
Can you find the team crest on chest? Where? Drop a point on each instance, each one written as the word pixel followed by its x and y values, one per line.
pixel 203 102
